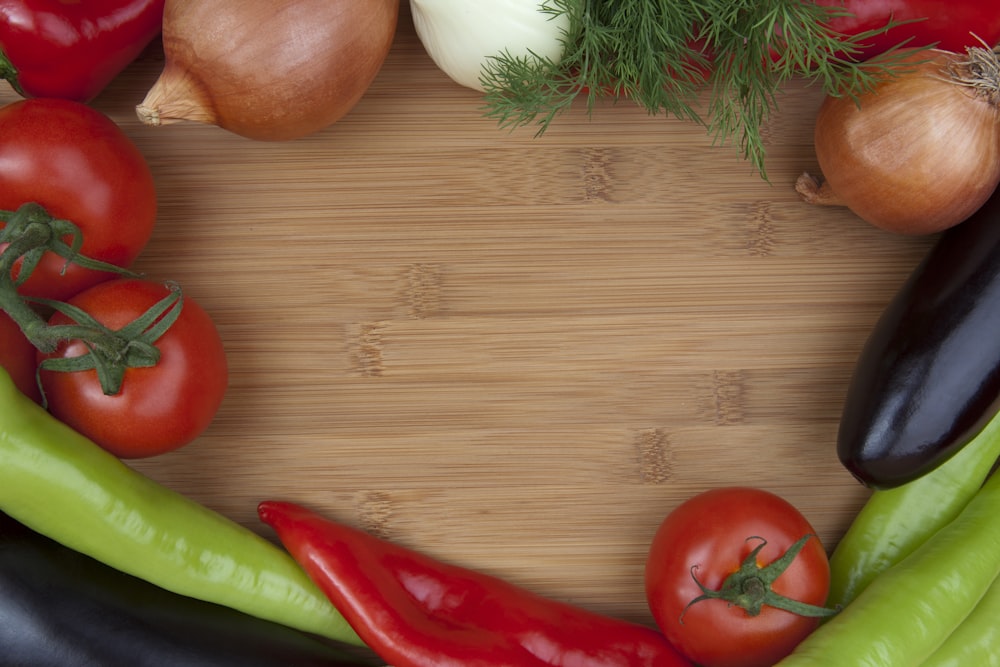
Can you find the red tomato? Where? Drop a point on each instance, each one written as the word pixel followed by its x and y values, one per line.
pixel 17 357
pixel 708 537
pixel 159 408
pixel 79 165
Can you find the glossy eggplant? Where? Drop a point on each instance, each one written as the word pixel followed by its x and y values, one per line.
pixel 60 608
pixel 928 378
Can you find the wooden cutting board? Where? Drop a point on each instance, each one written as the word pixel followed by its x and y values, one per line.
pixel 515 353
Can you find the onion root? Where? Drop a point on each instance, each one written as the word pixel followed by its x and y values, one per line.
pixel 814 190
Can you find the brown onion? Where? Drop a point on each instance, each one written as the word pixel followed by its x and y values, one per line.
pixel 268 69
pixel 918 153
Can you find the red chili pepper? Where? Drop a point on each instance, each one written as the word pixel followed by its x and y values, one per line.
pixel 417 612
pixel 72 49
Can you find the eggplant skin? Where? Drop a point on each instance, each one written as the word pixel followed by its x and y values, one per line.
pixel 928 377
pixel 60 608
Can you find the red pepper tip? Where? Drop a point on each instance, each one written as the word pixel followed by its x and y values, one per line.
pixel 271 511
pixel 266 510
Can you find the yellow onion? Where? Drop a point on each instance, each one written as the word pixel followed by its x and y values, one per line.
pixel 268 69
pixel 461 35
pixel 918 153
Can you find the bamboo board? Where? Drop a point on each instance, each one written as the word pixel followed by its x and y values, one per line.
pixel 515 353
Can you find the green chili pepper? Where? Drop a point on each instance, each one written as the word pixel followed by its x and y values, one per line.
pixel 62 485
pixel 911 608
pixel 975 642
pixel 894 522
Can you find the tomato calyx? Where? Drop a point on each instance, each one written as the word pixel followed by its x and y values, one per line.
pixel 31 231
pixel 749 587
pixel 110 352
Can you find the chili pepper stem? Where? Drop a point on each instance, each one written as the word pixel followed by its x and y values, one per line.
pixel 750 587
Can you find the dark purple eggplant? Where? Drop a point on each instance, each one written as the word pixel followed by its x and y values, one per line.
pixel 60 608
pixel 928 378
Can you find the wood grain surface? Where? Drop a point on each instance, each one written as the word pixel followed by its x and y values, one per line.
pixel 515 353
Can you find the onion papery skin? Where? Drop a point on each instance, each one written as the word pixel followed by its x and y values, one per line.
pixel 917 154
pixel 461 35
pixel 270 70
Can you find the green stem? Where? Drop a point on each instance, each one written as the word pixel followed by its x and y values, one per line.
pixel 29 233
pixel 112 351
pixel 750 587
pixel 665 56
pixel 9 72
pixel 33 232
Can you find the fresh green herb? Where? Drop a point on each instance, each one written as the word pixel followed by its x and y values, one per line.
pixel 664 54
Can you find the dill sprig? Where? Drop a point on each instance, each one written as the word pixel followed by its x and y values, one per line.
pixel 664 54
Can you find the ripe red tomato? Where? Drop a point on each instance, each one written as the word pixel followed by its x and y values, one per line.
pixel 17 357
pixel 707 538
pixel 159 408
pixel 79 165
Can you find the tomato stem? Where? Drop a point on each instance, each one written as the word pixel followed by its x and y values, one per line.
pixel 29 233
pixel 111 352
pixel 750 586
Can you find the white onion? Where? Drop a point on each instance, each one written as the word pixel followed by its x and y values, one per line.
pixel 460 35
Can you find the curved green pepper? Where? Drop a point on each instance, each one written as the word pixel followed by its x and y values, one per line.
pixel 977 640
pixel 894 522
pixel 60 484
pixel 911 608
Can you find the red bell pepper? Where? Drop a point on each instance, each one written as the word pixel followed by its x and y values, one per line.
pixel 414 611
pixel 72 49
pixel 950 24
